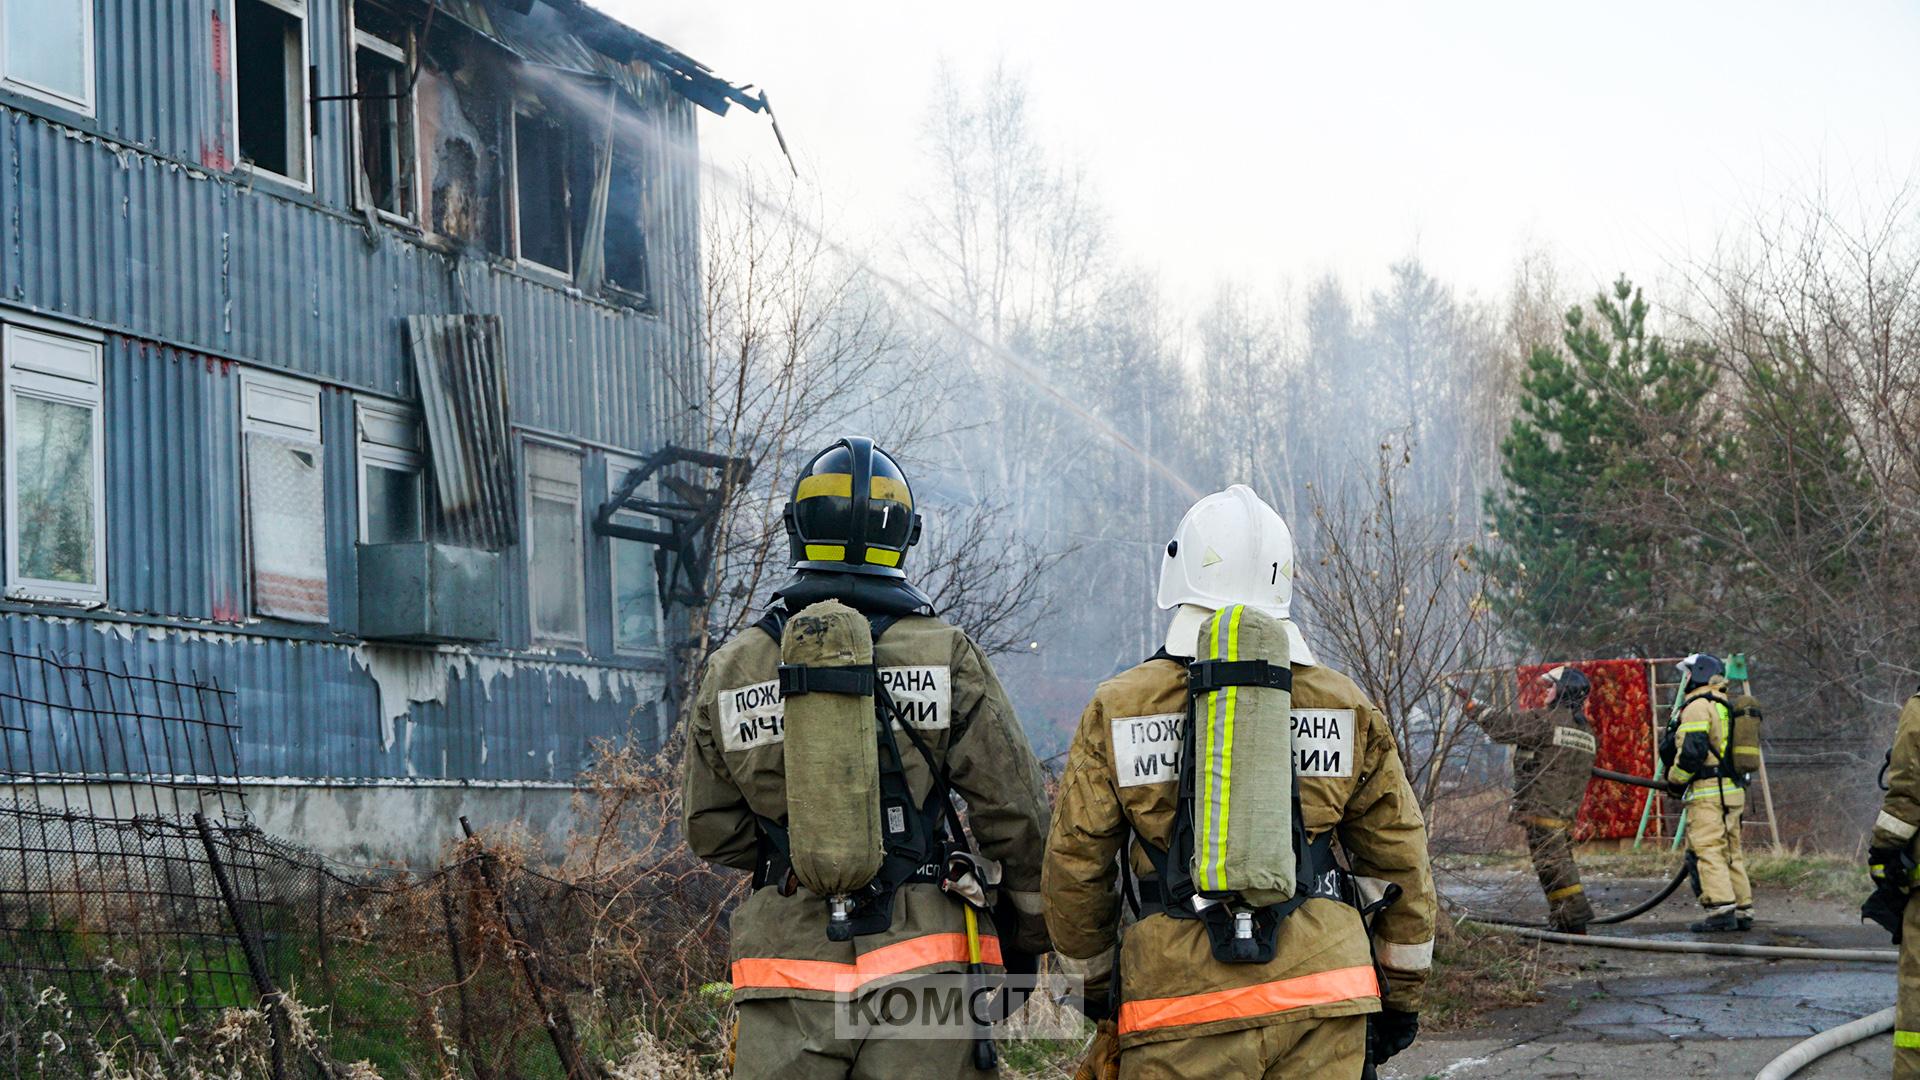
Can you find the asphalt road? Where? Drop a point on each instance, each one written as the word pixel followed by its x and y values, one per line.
pixel 1633 1015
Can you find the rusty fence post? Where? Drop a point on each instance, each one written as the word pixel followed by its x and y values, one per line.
pixel 553 1011
pixel 249 947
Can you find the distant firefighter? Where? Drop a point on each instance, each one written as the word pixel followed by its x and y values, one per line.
pixel 1552 760
pixel 1705 755
pixel 1890 859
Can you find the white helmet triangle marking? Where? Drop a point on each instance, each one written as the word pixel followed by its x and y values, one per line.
pixel 1211 558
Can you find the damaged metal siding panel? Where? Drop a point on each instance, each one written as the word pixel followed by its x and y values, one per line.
pixel 461 366
pixel 340 457
pixel 311 709
pixel 173 483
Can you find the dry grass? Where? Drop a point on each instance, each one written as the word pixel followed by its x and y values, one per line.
pixel 1476 971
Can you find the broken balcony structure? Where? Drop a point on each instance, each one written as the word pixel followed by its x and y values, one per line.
pixel 329 330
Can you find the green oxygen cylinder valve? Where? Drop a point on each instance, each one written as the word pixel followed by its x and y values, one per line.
pixel 1737 667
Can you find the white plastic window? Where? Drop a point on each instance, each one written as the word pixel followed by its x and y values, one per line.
pixel 269 66
pixel 46 50
pixel 286 498
pixel 635 583
pixel 556 598
pixel 384 115
pixel 56 473
pixel 392 501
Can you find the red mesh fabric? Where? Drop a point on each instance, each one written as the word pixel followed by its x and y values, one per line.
pixel 1619 712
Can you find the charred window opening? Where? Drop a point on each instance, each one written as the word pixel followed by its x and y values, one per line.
pixel 541 211
pixel 384 110
pixel 626 238
pixel 270 81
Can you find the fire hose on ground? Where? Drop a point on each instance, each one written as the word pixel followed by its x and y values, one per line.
pixel 1798 1056
pixel 1636 910
pixel 1802 1054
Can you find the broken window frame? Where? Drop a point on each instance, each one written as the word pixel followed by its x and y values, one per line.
pixel 618 466
pixel 299 92
pixel 53 96
pixel 45 379
pixel 408 147
pixel 533 110
pixel 389 439
pixel 545 488
pixel 295 418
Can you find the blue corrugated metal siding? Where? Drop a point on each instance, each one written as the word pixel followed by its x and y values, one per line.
pixel 132 222
pixel 310 709
pixel 173 483
pixel 202 259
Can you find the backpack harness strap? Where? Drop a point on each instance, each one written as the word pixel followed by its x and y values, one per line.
pixel 918 840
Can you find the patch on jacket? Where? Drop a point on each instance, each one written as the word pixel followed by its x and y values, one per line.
pixel 755 716
pixel 1574 739
pixel 1146 749
pixel 1323 742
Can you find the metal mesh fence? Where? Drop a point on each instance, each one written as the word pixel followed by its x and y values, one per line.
pixel 147 928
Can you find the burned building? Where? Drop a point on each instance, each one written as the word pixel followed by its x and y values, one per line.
pixel 329 332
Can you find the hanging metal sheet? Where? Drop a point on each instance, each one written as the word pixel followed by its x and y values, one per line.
pixel 462 372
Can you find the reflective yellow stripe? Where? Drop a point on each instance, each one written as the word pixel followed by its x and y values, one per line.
pixel 1907 1040
pixel 824 485
pixel 1562 894
pixel 1206 787
pixel 1679 775
pixel 827 552
pixel 883 557
pixel 1692 726
pixel 1711 788
pixel 821 485
pixel 1226 764
pixel 886 487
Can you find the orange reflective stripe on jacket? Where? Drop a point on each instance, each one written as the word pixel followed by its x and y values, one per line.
pixel 1322 988
pixel 896 959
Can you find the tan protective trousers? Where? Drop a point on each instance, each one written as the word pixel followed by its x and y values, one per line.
pixel 792 1039
pixel 1713 835
pixel 1334 1048
pixel 1906 1024
pixel 1552 851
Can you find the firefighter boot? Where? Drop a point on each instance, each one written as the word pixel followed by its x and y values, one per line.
pixel 1718 922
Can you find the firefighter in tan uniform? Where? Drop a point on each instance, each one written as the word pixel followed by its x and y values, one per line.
pixel 1891 861
pixel 1552 762
pixel 851 522
pixel 1318 1008
pixel 1701 772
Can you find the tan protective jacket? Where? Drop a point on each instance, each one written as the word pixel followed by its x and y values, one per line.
pixel 1705 713
pixel 1122 774
pixel 1899 816
pixel 1553 751
pixel 735 770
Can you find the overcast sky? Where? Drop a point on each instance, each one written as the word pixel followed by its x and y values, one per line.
pixel 1274 142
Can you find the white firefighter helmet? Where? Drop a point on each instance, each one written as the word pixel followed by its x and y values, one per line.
pixel 1232 548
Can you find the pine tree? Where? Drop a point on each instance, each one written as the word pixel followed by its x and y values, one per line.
pixel 1576 564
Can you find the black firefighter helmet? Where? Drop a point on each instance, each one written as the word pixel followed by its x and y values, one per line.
pixel 1701 669
pixel 852 512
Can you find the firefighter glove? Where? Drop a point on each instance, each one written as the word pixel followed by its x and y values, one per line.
pixel 1390 1031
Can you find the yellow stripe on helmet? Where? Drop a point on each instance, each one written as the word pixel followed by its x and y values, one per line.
pixel 840 485
pixel 827 552
pixel 890 490
pixel 883 556
pixel 822 485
